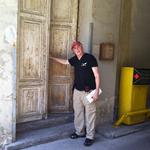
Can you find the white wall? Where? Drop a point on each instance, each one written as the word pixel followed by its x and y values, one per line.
pixel 8 25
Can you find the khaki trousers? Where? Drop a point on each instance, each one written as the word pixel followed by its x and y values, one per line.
pixel 84 114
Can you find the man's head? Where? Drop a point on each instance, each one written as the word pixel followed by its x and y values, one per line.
pixel 77 48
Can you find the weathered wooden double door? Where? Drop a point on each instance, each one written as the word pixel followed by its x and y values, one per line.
pixel 44 86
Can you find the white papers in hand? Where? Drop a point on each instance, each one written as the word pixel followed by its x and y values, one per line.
pixel 89 96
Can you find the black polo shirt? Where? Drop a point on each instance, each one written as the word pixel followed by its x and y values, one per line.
pixel 84 76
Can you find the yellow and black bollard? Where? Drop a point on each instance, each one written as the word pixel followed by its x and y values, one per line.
pixel 133 95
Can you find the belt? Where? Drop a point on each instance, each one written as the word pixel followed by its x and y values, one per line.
pixel 84 90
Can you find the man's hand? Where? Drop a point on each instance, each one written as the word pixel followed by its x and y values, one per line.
pixel 50 56
pixel 95 96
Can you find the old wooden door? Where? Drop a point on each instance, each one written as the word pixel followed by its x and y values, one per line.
pixel 32 59
pixel 63 24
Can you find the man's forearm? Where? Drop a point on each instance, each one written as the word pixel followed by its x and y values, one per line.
pixel 97 77
pixel 97 82
pixel 60 60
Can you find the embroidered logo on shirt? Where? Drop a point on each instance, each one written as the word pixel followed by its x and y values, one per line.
pixel 83 64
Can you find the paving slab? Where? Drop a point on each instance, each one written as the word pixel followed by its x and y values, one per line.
pixel 40 136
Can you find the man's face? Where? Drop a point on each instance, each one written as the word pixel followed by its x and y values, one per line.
pixel 78 50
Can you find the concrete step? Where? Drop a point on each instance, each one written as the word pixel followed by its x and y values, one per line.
pixel 35 137
pixel 110 131
pixel 51 121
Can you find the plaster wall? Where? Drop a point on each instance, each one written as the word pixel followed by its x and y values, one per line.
pixel 8 25
pixel 140 34
pixel 84 20
pixel 105 16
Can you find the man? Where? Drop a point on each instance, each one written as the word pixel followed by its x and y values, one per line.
pixel 86 80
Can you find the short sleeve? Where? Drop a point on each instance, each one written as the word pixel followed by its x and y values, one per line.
pixel 93 61
pixel 72 61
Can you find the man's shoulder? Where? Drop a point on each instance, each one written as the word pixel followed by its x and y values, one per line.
pixel 92 59
pixel 72 60
pixel 89 55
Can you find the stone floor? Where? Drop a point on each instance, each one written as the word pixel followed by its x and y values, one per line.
pixel 51 130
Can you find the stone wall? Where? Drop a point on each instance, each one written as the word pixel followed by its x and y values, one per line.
pixel 8 25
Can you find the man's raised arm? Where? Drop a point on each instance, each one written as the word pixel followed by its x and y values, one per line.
pixel 60 60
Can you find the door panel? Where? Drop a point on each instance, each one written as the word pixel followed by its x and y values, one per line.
pixel 59 44
pixel 39 7
pixel 32 59
pixel 63 27
pixel 29 104
pixel 62 11
pixel 30 49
